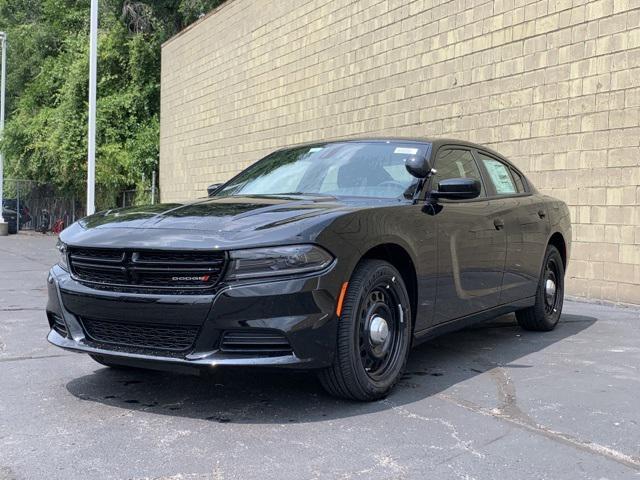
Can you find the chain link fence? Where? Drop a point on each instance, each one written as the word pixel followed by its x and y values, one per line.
pixel 27 205
pixel 130 198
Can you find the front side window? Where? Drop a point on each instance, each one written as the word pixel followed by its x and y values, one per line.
pixel 499 174
pixel 456 163
pixel 360 169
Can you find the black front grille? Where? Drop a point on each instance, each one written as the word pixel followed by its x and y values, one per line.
pixel 174 338
pixel 175 270
pixel 248 341
pixel 57 323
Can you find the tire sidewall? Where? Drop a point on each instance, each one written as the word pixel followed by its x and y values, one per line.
pixel 550 321
pixel 369 277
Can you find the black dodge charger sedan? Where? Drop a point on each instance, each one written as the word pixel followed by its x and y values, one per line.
pixel 335 256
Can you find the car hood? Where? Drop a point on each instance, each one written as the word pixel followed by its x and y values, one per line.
pixel 220 222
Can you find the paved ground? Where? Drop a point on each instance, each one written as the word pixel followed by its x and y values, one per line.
pixel 484 403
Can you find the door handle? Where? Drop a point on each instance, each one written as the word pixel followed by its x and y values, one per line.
pixel 542 213
pixel 498 223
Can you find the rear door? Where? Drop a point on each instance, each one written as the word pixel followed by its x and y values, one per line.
pixel 471 246
pixel 525 223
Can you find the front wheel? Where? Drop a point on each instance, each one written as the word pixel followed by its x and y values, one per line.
pixel 544 315
pixel 374 334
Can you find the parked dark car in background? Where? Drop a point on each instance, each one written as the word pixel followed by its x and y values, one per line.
pixel 334 256
pixel 10 215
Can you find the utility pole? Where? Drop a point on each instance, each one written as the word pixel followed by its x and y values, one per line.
pixel 4 227
pixel 153 188
pixel 93 67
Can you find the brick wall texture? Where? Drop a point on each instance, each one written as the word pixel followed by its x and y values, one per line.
pixel 552 84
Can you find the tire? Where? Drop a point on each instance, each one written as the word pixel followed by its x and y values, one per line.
pixel 367 365
pixel 544 315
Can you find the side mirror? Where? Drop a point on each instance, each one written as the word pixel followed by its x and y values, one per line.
pixel 457 189
pixel 212 189
pixel 419 167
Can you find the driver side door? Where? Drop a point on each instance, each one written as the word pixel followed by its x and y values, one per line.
pixel 471 242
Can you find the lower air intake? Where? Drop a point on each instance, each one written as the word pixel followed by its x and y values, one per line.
pixel 271 342
pixel 173 338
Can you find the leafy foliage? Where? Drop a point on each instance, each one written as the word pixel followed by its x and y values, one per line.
pixel 45 136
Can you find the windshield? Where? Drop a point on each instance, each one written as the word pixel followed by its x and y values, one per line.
pixel 360 169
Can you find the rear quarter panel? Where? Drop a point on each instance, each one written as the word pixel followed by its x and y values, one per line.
pixel 560 221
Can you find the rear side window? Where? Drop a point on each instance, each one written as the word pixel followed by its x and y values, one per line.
pixel 519 181
pixel 500 175
pixel 456 163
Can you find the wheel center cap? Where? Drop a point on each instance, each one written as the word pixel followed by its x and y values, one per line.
pixel 378 330
pixel 550 289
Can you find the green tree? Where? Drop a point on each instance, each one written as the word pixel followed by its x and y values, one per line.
pixel 47 86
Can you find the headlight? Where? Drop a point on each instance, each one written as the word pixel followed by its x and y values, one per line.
pixel 268 262
pixel 62 250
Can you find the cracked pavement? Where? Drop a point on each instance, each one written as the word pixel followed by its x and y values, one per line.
pixel 487 402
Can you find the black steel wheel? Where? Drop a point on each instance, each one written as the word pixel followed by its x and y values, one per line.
pixel 545 314
pixel 374 334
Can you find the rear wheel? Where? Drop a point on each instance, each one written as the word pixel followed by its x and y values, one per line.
pixel 374 334
pixel 545 313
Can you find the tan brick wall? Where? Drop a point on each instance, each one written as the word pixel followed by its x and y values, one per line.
pixel 554 85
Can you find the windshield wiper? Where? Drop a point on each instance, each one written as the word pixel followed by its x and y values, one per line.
pixel 302 194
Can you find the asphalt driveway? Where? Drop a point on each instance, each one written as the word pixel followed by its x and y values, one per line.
pixel 491 402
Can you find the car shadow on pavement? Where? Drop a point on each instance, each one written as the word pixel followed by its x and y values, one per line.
pixel 257 396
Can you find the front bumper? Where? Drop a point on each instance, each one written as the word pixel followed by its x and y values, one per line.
pixel 301 309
